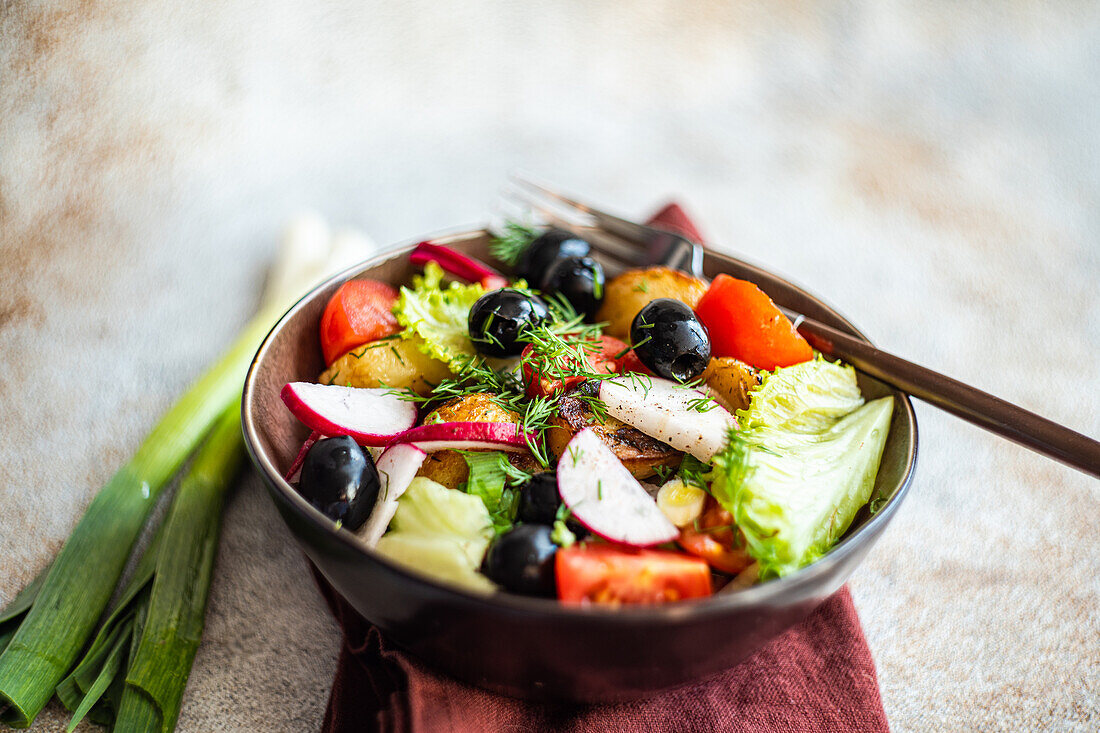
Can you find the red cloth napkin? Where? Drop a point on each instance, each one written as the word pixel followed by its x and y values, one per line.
pixel 817 676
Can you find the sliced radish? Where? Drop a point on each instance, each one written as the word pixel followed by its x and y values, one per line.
pixel 603 496
pixel 685 418
pixel 296 467
pixel 370 416
pixel 397 467
pixel 465 436
pixel 458 264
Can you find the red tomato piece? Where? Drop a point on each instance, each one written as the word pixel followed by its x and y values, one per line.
pixel 615 575
pixel 614 357
pixel 744 323
pixel 713 539
pixel 359 312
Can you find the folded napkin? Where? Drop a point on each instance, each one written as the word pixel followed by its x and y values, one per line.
pixel 817 676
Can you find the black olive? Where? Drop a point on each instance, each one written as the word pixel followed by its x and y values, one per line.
pixel 551 245
pixel 539 499
pixel 522 560
pixel 498 319
pixel 339 478
pixel 580 280
pixel 670 340
pixel 539 502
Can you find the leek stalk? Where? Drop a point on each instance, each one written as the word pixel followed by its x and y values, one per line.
pixel 84 574
pixel 139 662
pixel 161 663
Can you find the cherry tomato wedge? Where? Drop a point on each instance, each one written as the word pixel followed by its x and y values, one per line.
pixel 712 538
pixel 744 323
pixel 616 575
pixel 614 357
pixel 357 313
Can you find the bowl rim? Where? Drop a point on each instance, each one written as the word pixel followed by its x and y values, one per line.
pixel 717 604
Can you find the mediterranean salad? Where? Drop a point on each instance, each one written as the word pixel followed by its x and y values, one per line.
pixel 643 438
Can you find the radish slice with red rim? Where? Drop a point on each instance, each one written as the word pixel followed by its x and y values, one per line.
pixel 371 416
pixel 603 496
pixel 684 417
pixel 458 264
pixel 291 474
pixel 466 436
pixel 397 467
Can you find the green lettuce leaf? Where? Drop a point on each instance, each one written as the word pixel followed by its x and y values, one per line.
pixel 441 533
pixel 439 315
pixel 802 464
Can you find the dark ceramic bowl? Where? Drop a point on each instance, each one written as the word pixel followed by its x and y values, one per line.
pixel 534 648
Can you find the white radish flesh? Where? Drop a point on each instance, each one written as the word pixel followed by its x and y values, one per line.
pixel 369 416
pixel 603 496
pixel 397 467
pixel 683 417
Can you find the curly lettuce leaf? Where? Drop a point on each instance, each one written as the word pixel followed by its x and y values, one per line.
pixel 438 314
pixel 441 533
pixel 803 463
pixel 804 398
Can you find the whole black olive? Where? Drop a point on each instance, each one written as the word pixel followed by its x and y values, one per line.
pixel 522 560
pixel 539 499
pixel 339 478
pixel 670 340
pixel 580 280
pixel 498 319
pixel 551 245
pixel 539 502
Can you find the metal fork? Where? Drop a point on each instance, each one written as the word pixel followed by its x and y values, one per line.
pixel 638 245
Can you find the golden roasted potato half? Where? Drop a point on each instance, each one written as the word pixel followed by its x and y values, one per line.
pixel 626 293
pixel 448 467
pixel 478 407
pixel 641 454
pixel 390 362
pixel 730 382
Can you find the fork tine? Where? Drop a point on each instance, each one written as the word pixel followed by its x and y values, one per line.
pixel 624 252
pixel 628 230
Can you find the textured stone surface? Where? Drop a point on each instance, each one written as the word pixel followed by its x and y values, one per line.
pixel 932 170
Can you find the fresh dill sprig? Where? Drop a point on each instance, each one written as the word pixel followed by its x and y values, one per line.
pixel 694 472
pixel 537 419
pixel 702 403
pixel 556 355
pixel 597 406
pixel 663 472
pixel 510 245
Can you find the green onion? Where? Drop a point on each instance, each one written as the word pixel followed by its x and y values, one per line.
pixel 84 574
pixel 14 611
pixel 80 690
pixel 161 663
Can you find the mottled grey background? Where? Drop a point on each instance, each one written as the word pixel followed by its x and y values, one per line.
pixel 931 168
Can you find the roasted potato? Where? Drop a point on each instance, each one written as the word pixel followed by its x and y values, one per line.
pixel 391 362
pixel 448 467
pixel 478 407
pixel 730 382
pixel 640 453
pixel 626 293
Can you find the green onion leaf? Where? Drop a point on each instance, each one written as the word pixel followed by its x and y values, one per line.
pixel 173 626
pixel 489 471
pixel 84 574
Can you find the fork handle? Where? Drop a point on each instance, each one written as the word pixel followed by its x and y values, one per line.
pixel 973 405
